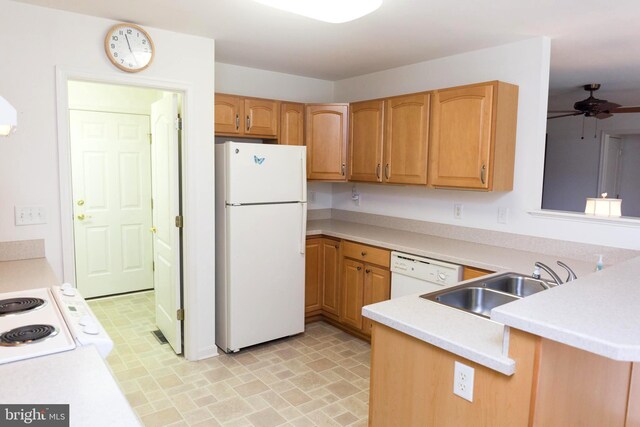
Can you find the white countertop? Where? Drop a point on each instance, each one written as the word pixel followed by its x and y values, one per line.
pixel 597 313
pixel 487 257
pixel 79 378
pixel 466 335
pixel 26 274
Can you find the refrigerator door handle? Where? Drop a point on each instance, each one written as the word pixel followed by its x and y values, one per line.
pixel 303 227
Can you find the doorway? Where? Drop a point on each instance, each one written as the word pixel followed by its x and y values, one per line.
pixel 125 150
pixel 618 172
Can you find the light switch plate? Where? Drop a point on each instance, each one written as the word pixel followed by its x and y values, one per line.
pixel 30 215
pixel 463 381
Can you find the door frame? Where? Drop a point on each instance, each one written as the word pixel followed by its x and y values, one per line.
pixel 603 139
pixel 189 292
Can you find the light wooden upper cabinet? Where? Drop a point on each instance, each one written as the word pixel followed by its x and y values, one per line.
pixel 366 121
pixel 326 139
pixel 261 117
pixel 473 133
pixel 251 117
pixel 291 124
pixel 406 139
pixel 229 110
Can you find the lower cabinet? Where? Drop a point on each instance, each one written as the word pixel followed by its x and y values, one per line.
pixel 341 278
pixel 366 279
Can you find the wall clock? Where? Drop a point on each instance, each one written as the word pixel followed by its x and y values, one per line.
pixel 129 47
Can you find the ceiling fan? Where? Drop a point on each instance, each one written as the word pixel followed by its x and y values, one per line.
pixel 594 107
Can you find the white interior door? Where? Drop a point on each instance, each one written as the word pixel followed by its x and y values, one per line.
pixel 165 151
pixel 111 180
pixel 610 166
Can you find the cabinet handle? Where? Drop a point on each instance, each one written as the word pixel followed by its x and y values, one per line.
pixel 483 171
pixel 363 253
pixel 343 168
pixel 378 171
pixel 358 268
pixel 248 122
pixel 237 121
pixel 337 246
pixel 367 271
pixel 386 171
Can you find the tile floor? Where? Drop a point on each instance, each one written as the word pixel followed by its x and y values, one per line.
pixel 319 378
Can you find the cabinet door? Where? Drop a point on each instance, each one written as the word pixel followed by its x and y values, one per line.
pixel 330 293
pixel 352 293
pixel 313 276
pixel 291 124
pixel 377 288
pixel 406 139
pixel 461 126
pixel 261 117
pixel 365 141
pixel 326 139
pixel 228 114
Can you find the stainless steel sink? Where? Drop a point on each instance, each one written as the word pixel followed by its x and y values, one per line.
pixel 476 300
pixel 515 284
pixel 481 296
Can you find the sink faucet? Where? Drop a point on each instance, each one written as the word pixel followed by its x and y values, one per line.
pixel 536 273
pixel 571 274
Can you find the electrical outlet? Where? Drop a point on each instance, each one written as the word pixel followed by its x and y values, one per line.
pixel 503 215
pixel 457 210
pixel 463 381
pixel 311 196
pixel 355 196
pixel 30 215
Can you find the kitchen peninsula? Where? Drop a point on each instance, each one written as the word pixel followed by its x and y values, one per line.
pixel 561 357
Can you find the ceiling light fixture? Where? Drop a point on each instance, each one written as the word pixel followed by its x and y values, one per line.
pixel 8 117
pixel 333 11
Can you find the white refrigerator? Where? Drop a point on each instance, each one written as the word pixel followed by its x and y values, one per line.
pixel 261 224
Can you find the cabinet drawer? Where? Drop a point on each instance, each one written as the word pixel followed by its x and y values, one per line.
pixel 366 253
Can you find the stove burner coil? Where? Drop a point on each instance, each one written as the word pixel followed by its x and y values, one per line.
pixel 27 335
pixel 19 305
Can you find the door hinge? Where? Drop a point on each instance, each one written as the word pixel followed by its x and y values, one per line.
pixel 153 266
pixel 179 221
pixel 180 314
pixel 179 123
pixel 150 139
pixel 152 203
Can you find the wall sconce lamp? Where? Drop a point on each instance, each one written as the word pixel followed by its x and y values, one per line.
pixel 603 206
pixel 8 118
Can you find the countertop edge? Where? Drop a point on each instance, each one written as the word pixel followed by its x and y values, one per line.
pixel 504 365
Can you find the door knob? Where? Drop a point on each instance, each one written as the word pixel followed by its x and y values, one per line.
pixel 153 230
pixel 82 217
pixel 80 202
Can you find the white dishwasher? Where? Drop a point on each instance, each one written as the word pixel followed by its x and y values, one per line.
pixel 411 274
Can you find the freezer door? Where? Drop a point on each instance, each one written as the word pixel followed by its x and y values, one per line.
pixel 265 294
pixel 265 173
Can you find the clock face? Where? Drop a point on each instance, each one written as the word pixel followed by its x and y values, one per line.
pixel 129 47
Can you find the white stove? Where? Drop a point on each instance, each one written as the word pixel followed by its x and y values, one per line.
pixel 43 321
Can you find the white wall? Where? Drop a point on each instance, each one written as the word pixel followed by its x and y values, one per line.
pixel 630 176
pixel 111 98
pixel 572 165
pixel 525 64
pixel 38 41
pixel 246 81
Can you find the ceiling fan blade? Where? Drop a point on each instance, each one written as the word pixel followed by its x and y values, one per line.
pixel 626 110
pixel 603 115
pixel 577 113
pixel 608 106
pixel 563 111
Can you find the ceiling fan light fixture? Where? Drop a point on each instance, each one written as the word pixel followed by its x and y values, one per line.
pixel 332 11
